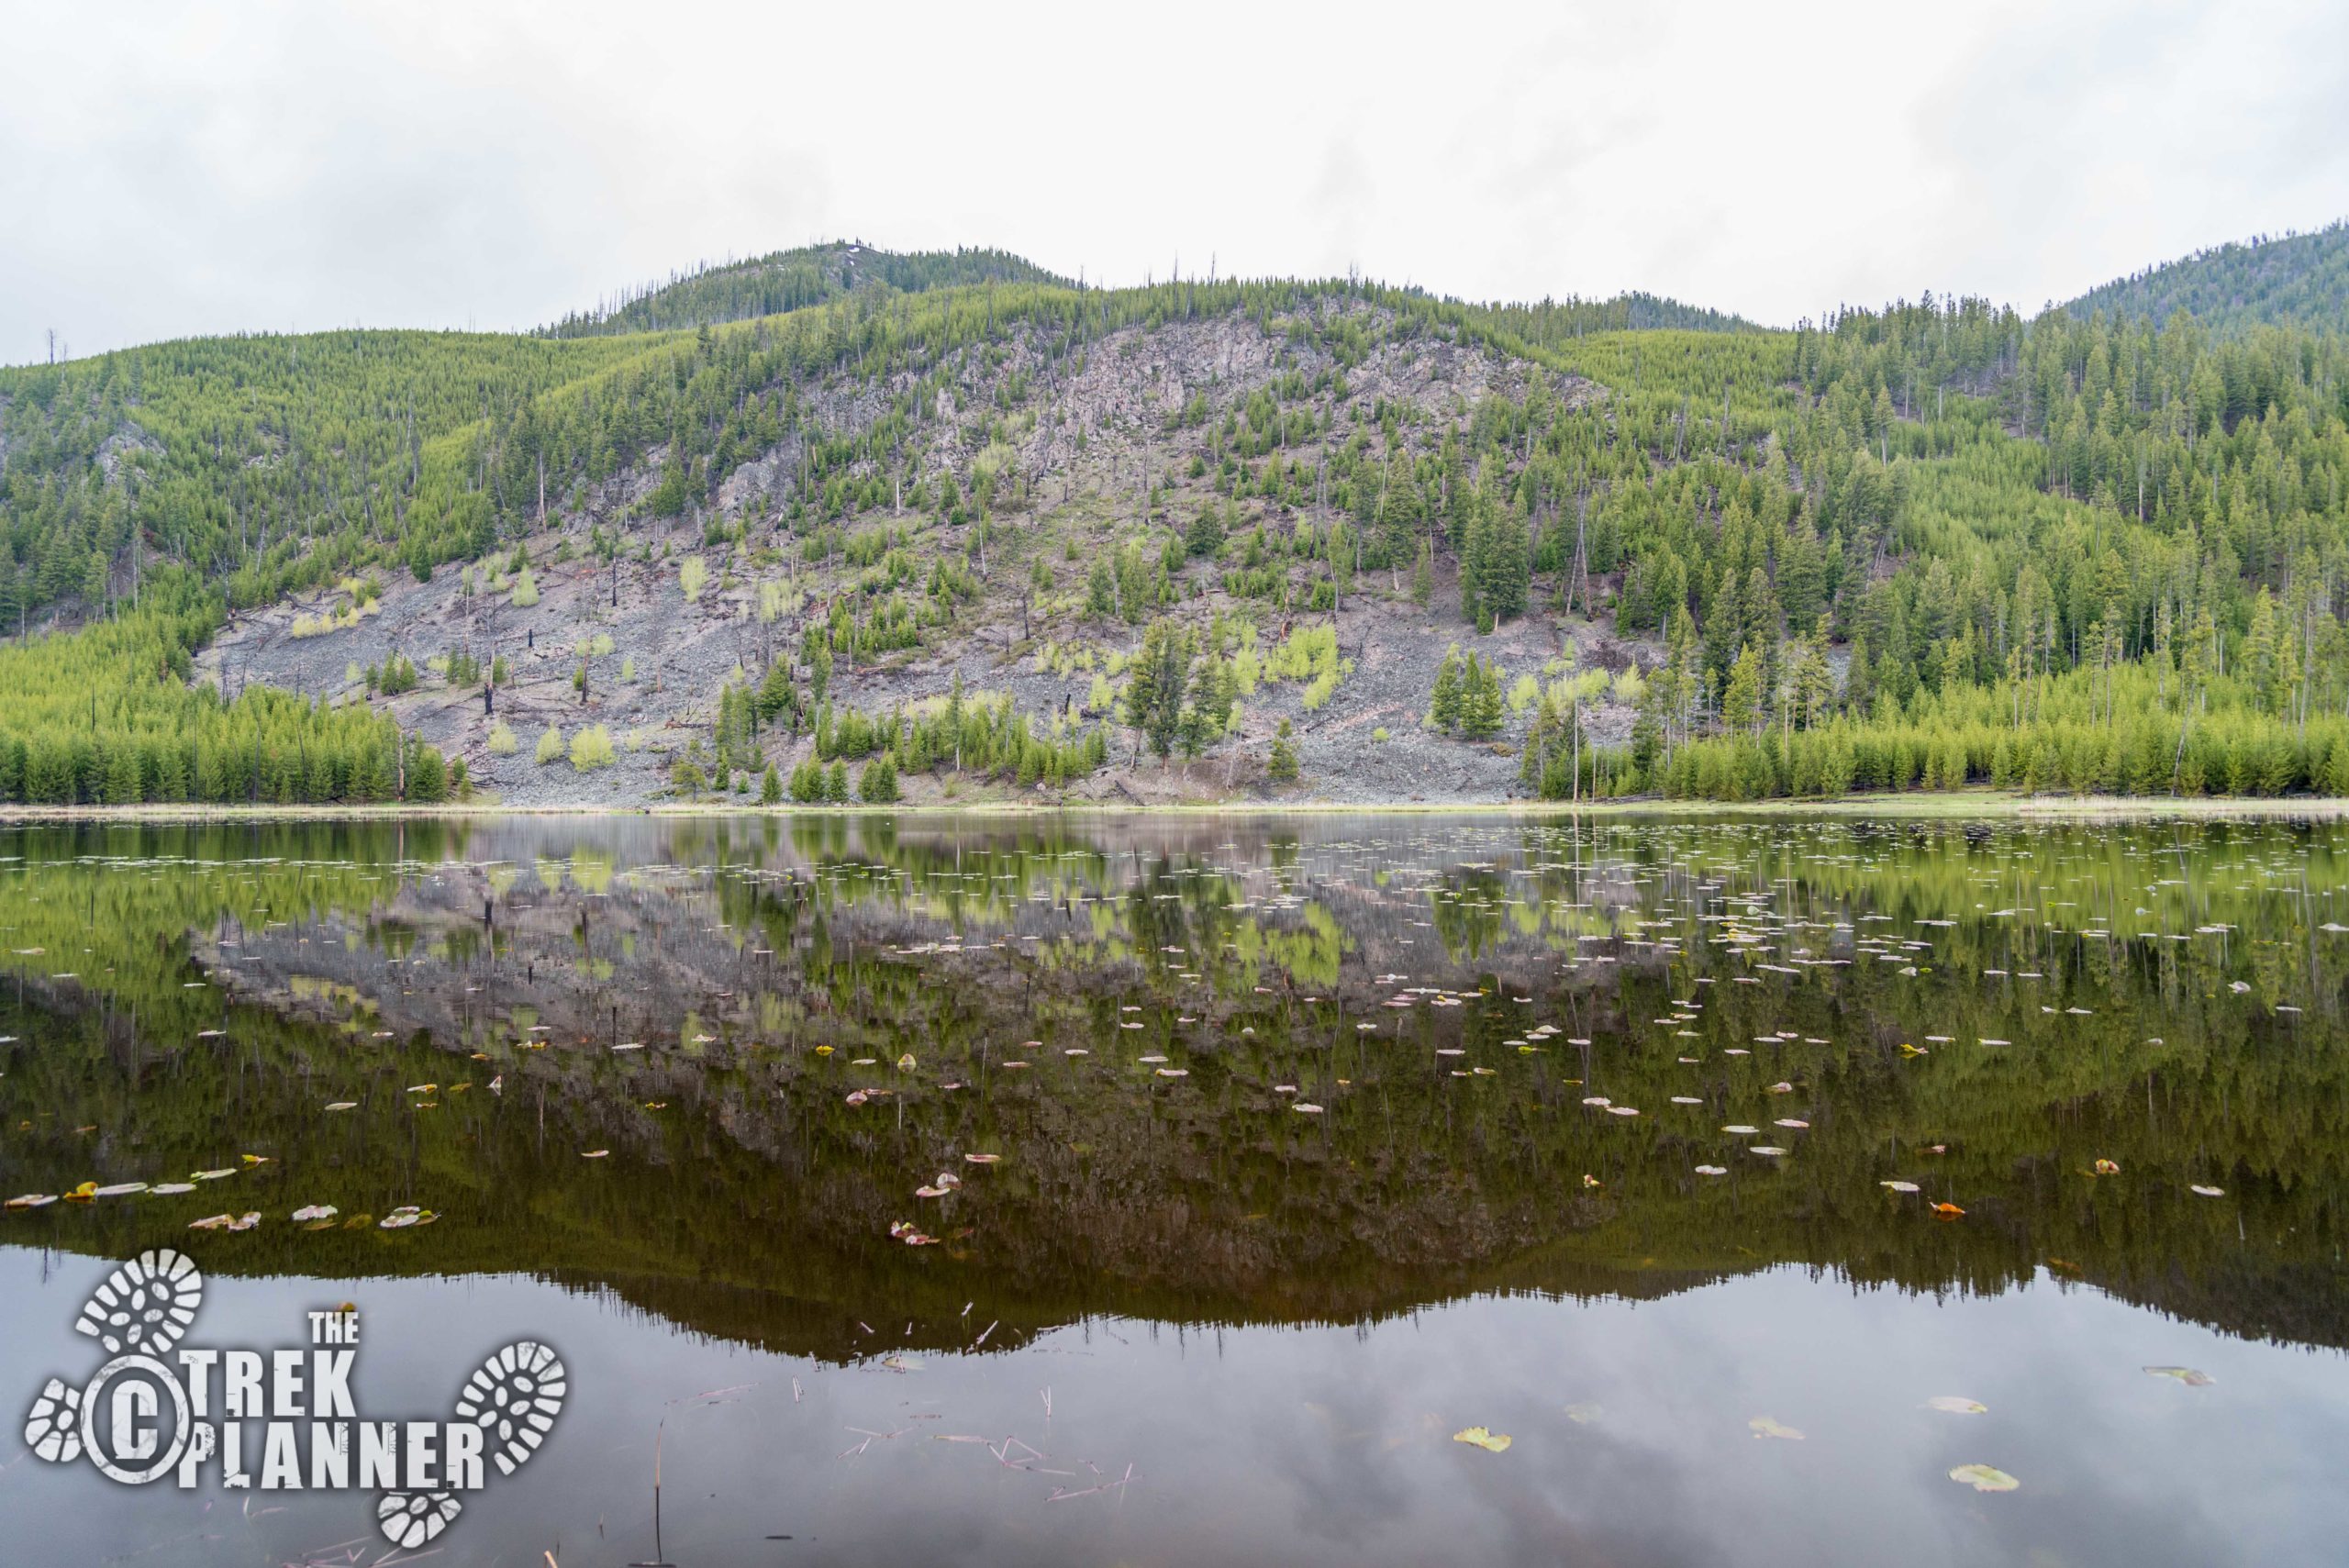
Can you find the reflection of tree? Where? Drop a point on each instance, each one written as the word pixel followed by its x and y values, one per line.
pixel 757 1202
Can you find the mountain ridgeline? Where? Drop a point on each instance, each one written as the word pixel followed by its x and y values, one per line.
pixel 2299 280
pixel 785 281
pixel 975 527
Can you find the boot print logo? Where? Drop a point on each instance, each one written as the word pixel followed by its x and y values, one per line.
pixel 281 1419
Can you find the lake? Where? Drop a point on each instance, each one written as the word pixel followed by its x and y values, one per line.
pixel 1208 1189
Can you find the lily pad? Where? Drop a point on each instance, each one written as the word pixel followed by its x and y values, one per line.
pixel 1984 1478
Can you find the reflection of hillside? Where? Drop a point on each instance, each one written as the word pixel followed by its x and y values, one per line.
pixel 744 1196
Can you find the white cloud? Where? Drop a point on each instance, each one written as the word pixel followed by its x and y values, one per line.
pixel 170 172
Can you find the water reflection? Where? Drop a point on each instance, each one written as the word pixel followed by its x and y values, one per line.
pixel 1403 1081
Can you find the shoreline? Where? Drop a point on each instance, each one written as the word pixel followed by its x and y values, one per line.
pixel 1915 806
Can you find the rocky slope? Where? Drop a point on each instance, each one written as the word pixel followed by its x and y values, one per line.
pixel 1120 447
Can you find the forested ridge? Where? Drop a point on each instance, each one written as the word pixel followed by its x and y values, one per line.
pixel 1934 543
pixel 2292 280
pixel 785 281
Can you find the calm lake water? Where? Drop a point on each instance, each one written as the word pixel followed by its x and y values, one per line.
pixel 1317 1144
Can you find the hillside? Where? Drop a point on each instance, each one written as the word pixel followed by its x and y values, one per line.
pixel 978 540
pixel 710 296
pixel 2300 280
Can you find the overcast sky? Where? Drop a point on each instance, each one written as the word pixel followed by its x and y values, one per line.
pixel 190 168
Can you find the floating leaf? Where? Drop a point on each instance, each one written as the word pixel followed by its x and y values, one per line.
pixel 119 1189
pixel 1764 1427
pixel 1899 1187
pixel 2107 1168
pixel 595 1154
pixel 343 1105
pixel 317 1211
pixel 2202 1191
pixel 1956 1404
pixel 1984 1478
pixel 1583 1414
pixel 1712 1170
pixel 1491 1442
pixel 1948 1210
pixel 2184 1375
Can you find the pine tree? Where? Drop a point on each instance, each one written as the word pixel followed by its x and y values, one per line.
pixel 1443 706
pixel 1741 697
pixel 1155 696
pixel 1483 709
pixel 1281 766
pixel 771 787
pixel 1206 535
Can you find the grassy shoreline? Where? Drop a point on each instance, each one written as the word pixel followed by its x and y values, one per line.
pixel 1917 805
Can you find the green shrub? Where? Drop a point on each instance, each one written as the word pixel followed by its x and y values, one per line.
pixel 591 748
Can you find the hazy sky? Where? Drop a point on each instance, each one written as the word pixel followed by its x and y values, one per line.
pixel 183 169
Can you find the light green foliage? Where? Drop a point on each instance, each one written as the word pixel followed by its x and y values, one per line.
pixel 501 740
pixel 591 748
pixel 1247 669
pixel 693 576
pixel 526 590
pixel 1309 653
pixel 550 744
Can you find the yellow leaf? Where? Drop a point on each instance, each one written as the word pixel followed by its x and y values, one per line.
pixel 1491 1442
